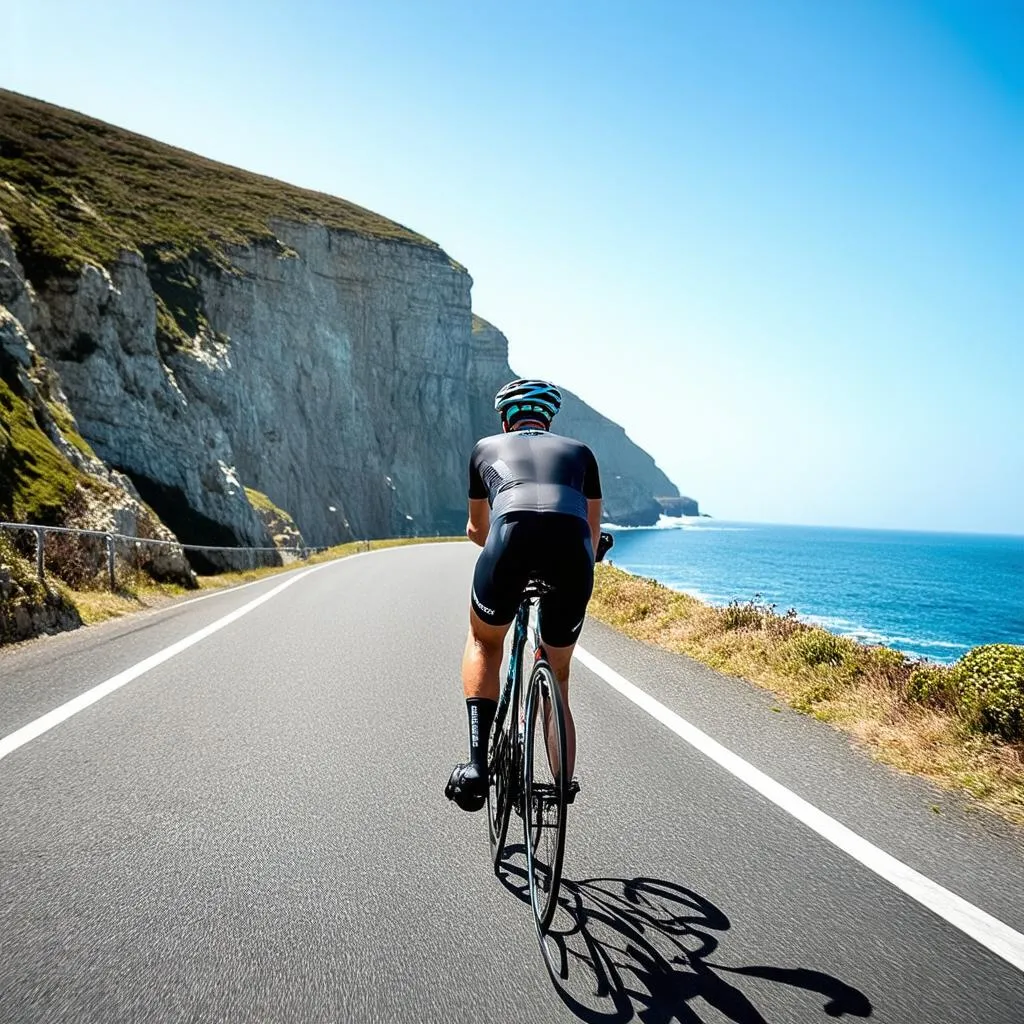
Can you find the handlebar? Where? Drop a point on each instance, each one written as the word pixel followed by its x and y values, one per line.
pixel 604 545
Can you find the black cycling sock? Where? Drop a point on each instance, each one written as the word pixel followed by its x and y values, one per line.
pixel 480 711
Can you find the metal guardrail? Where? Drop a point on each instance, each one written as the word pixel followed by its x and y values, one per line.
pixel 111 539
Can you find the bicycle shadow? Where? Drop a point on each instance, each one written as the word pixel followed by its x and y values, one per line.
pixel 623 948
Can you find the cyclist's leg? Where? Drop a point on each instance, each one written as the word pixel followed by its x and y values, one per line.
pixel 570 572
pixel 498 581
pixel 492 610
pixel 559 659
pixel 481 660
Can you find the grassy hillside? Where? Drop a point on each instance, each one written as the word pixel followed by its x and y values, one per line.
pixel 74 189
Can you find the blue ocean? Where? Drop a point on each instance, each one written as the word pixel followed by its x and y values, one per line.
pixel 931 595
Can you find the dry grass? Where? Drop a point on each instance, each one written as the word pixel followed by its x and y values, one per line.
pixel 866 691
pixel 99 605
pixel 140 593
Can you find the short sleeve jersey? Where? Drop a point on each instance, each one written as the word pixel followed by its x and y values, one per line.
pixel 533 471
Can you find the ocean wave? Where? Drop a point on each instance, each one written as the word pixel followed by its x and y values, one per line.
pixel 679 523
pixel 701 595
pixel 874 636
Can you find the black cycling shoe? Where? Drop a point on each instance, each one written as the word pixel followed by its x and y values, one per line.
pixel 574 788
pixel 467 787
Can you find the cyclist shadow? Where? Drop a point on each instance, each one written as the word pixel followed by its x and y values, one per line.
pixel 623 948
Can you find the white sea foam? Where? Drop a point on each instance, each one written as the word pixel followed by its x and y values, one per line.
pixel 873 636
pixel 680 523
pixel 716 599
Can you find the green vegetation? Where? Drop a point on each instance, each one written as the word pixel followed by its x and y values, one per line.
pixel 960 725
pixel 23 597
pixel 262 503
pixel 77 190
pixel 989 682
pixel 36 482
pixel 278 522
pixel 66 425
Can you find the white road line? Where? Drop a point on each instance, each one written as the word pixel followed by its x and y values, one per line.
pixel 29 732
pixel 983 928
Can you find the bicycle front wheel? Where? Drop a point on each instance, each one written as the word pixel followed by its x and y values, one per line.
pixel 545 792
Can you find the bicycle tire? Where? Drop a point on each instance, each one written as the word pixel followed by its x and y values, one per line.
pixel 501 777
pixel 545 794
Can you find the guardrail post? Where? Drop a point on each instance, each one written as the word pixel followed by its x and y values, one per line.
pixel 39 554
pixel 110 561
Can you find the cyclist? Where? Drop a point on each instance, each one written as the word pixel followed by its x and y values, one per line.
pixel 535 509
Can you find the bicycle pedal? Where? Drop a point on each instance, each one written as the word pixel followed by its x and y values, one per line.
pixel 574 788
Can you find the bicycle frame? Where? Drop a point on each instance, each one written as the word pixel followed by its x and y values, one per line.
pixel 512 691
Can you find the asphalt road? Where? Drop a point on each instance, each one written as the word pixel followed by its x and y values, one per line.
pixel 254 829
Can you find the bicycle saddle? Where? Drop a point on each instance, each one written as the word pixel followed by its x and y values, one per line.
pixel 536 588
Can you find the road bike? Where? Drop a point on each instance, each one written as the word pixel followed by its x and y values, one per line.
pixel 526 754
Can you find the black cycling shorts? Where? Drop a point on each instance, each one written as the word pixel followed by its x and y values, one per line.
pixel 548 546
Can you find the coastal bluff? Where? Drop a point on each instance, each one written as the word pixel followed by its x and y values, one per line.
pixel 187 334
pixel 631 481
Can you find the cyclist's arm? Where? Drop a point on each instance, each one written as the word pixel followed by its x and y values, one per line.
pixel 594 521
pixel 479 520
pixel 592 492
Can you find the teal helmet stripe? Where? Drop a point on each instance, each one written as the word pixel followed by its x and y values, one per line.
pixel 528 396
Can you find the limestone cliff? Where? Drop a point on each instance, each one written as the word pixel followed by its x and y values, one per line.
pixel 214 331
pixel 48 473
pixel 319 382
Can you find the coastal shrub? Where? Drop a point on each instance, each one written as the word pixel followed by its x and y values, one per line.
pixel 881 665
pixel 743 614
pixel 28 607
pixel 989 682
pixel 932 685
pixel 818 647
pixel 753 614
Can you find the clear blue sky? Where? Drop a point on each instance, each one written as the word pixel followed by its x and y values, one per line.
pixel 781 242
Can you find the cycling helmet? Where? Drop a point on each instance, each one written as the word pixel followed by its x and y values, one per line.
pixel 528 396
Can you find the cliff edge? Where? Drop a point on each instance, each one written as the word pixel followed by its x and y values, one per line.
pixel 207 334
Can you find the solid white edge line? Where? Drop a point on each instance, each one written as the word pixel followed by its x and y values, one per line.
pixel 985 929
pixel 29 732
pixel 45 723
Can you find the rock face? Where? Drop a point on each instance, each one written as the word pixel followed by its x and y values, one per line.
pixel 680 506
pixel 328 376
pixel 325 379
pixel 337 371
pixel 629 477
pixel 97 497
pixel 29 608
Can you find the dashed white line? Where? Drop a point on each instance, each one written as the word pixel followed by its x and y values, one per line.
pixel 985 929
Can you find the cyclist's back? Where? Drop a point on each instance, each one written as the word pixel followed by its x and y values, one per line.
pixel 533 471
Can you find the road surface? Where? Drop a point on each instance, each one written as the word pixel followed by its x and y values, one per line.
pixel 248 824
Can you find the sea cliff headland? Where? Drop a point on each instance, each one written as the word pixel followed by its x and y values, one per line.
pixel 177 335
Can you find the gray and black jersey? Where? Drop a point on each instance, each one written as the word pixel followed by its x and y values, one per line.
pixel 534 471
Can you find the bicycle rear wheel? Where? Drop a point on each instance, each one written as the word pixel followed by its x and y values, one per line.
pixel 545 793
pixel 501 778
